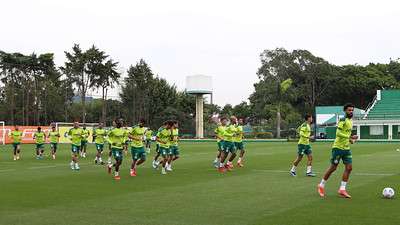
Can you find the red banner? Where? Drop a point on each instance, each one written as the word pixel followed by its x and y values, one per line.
pixel 27 133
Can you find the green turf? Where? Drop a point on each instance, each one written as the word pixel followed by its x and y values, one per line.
pixel 48 192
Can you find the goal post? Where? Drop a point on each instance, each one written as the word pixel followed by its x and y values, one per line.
pixel 64 127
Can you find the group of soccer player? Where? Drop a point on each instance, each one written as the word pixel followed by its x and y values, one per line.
pixel 39 137
pixel 229 135
pixel 340 150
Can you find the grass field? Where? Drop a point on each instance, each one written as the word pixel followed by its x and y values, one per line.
pixel 48 192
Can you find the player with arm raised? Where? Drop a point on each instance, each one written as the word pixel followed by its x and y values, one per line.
pixel 341 151
pixel 40 138
pixel 16 136
pixel 304 147
pixel 54 137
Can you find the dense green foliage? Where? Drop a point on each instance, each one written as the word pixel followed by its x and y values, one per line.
pixel 34 91
pixel 48 192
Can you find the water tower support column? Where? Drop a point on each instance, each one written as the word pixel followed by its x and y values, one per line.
pixel 199 116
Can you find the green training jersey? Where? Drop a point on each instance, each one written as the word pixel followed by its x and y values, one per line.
pixel 149 134
pixel 164 135
pixel 40 137
pixel 343 134
pixel 137 134
pixel 85 134
pixel 16 136
pixel 54 136
pixel 229 133
pixel 100 135
pixel 305 133
pixel 238 134
pixel 219 132
pixel 75 135
pixel 175 137
pixel 116 137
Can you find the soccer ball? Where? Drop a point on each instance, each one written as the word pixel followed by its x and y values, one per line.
pixel 388 192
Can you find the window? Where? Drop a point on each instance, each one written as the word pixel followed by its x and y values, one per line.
pixel 376 130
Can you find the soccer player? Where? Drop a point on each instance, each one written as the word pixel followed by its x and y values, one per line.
pixel 163 138
pixel 136 134
pixel 117 139
pixel 239 141
pixel 99 136
pixel 229 146
pixel 219 134
pixel 86 134
pixel 40 137
pixel 76 135
pixel 109 161
pixel 173 149
pixel 16 136
pixel 54 137
pixel 304 147
pixel 341 151
pixel 156 163
pixel 148 135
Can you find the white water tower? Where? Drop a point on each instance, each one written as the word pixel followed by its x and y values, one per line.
pixel 199 85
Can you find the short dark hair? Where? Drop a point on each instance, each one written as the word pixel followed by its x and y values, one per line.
pixel 119 123
pixel 307 116
pixel 348 105
pixel 223 118
pixel 39 128
pixel 142 120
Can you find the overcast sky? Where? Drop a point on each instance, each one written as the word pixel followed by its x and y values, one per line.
pixel 220 38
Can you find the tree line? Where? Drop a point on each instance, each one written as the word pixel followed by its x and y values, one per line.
pixel 35 91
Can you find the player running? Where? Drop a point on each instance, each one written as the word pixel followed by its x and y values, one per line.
pixel 54 137
pixel 136 134
pixel 75 134
pixel 117 137
pixel 156 163
pixel 99 136
pixel 163 138
pixel 16 136
pixel 85 137
pixel 40 138
pixel 127 141
pixel 341 151
pixel 148 135
pixel 219 134
pixel 229 146
pixel 304 147
pixel 173 149
pixel 239 141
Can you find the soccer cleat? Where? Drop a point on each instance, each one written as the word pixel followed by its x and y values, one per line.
pixel 228 168
pixel 133 173
pixel 95 161
pixel 222 169
pixel 321 191
pixel 169 168
pixel 310 174
pixel 54 157
pixel 72 166
pixel 77 167
pixel 230 165
pixel 17 157
pixel 117 177
pixel 109 168
pixel 344 194
pixel 293 173
pixel 163 172
pixel 216 164
pixel 240 164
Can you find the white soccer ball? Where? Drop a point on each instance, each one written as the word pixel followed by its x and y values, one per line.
pixel 388 192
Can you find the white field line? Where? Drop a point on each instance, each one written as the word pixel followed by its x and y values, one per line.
pixel 7 170
pixel 41 167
